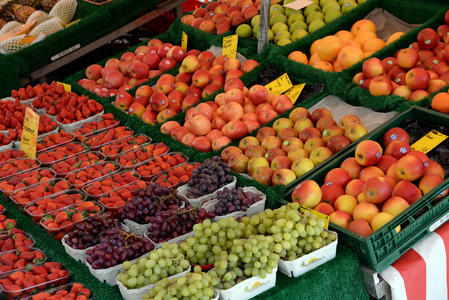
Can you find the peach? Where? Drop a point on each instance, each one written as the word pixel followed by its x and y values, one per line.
pixel 307 193
pixel 370 172
pixel 365 210
pixel 351 166
pixel 340 218
pixel 324 208
pixel 381 219
pixel 354 187
pixel 346 203
pixel 395 205
pixel 360 227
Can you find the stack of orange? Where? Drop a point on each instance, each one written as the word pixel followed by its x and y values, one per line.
pixel 335 53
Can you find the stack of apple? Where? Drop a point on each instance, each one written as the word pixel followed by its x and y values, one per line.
pixel 344 49
pixel 133 68
pixel 201 74
pixel 220 15
pixel 371 188
pixel 413 73
pixel 293 146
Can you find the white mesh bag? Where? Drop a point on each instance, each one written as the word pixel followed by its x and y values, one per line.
pixel 9 26
pixel 12 45
pixel 48 27
pixel 40 17
pixel 65 10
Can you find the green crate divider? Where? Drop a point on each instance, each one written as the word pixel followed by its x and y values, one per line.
pixel 385 246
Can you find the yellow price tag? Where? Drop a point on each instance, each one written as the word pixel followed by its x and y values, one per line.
pixel 230 46
pixel 184 39
pixel 29 134
pixel 303 209
pixel 429 141
pixel 67 87
pixel 294 92
pixel 279 85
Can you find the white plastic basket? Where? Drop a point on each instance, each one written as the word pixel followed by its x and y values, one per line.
pixel 176 240
pixel 182 190
pixel 16 145
pixel 309 261
pixel 137 294
pixel 6 147
pixel 72 126
pixel 249 288
pixel 254 209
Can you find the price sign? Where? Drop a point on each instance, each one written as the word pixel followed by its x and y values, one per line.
pixel 184 39
pixel 279 85
pixel 230 46
pixel 294 92
pixel 67 87
pixel 303 209
pixel 429 141
pixel 29 134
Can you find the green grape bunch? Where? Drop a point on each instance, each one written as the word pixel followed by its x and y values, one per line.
pixel 157 265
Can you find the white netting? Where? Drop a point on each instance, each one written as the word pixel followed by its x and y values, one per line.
pixel 8 27
pixel 40 17
pixel 65 10
pixel 48 27
pixel 13 44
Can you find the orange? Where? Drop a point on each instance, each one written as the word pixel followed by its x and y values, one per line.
pixel 323 65
pixel 364 36
pixel 314 46
pixel 349 56
pixel 314 58
pixel 394 37
pixel 440 102
pixel 329 47
pixel 337 67
pixel 299 56
pixel 373 45
pixel 368 54
pixel 362 25
pixel 352 43
pixel 344 36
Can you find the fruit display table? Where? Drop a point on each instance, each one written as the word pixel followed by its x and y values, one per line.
pixel 57 50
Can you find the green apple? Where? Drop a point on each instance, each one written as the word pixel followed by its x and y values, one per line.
pixel 255 20
pixel 244 31
pixel 290 11
pixel 316 15
pixel 276 8
pixel 270 35
pixel 298 34
pixel 295 17
pixel 332 15
pixel 347 6
pixel 283 42
pixel 324 2
pixel 330 6
pixel 278 27
pixel 277 18
pixel 311 8
pixel 298 25
pixel 282 35
pixel 315 25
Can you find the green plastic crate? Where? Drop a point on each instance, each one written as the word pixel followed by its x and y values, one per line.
pixel 385 246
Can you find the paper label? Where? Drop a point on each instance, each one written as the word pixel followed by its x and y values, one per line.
pixel 29 134
pixel 429 141
pixel 230 46
pixel 184 40
pixel 294 92
pixel 67 87
pixel 279 85
pixel 297 5
pixel 303 208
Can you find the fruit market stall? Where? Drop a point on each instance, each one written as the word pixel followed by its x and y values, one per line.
pixel 67 42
